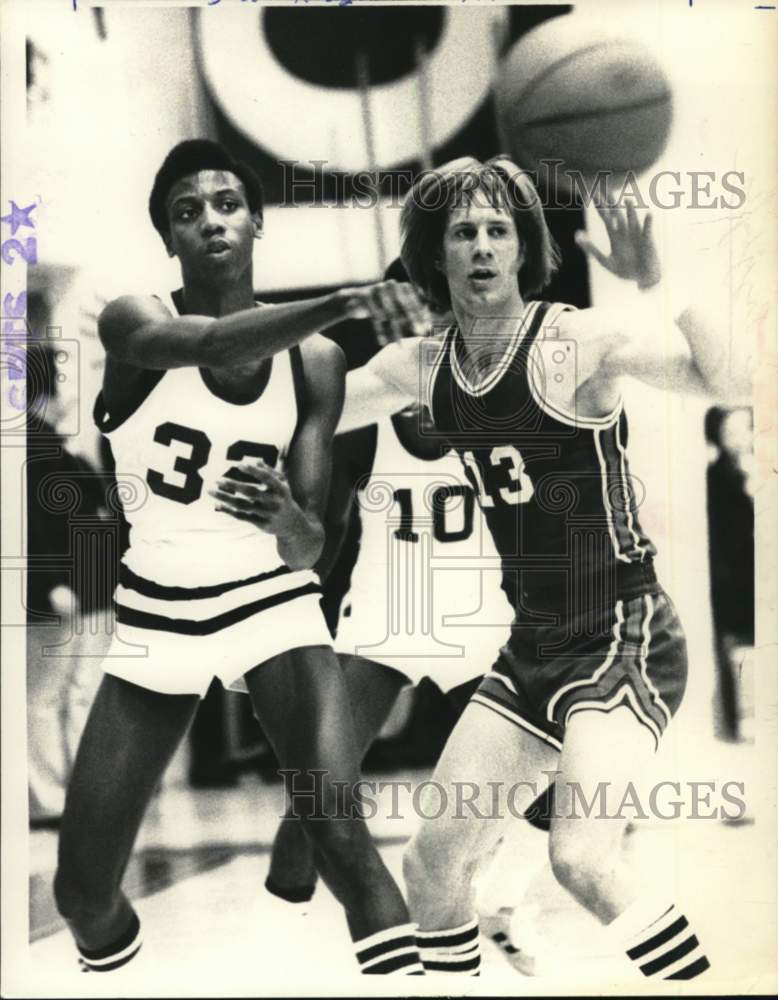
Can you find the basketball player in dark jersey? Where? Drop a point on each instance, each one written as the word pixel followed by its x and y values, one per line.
pixel 402 454
pixel 595 666
pixel 217 579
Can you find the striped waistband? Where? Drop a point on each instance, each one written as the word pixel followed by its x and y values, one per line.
pixel 165 592
pixel 204 610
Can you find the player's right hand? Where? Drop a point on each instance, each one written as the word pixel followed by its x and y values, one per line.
pixel 393 306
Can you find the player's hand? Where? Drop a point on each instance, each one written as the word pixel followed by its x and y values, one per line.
pixel 394 307
pixel 260 495
pixel 633 254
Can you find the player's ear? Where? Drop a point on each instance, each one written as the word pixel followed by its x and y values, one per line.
pixel 168 245
pixel 258 226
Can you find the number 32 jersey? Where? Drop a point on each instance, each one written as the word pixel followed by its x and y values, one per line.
pixel 172 446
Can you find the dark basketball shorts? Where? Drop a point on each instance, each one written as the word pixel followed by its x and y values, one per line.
pixel 632 653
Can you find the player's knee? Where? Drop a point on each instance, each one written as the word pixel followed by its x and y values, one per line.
pixel 338 841
pixel 577 863
pixel 431 857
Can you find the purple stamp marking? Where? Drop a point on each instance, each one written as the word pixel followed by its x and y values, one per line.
pixel 15 303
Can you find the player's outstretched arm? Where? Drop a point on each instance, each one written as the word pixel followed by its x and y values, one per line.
pixel 141 331
pixel 291 506
pixel 689 355
pixel 389 382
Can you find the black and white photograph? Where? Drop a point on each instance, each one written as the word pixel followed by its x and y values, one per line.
pixel 389 453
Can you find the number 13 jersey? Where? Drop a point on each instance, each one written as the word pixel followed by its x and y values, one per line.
pixel 172 446
pixel 555 488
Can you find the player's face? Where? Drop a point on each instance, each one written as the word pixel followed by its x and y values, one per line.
pixel 481 256
pixel 211 226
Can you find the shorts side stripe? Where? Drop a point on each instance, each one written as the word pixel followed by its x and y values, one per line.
pixel 598 673
pixel 625 693
pixel 644 657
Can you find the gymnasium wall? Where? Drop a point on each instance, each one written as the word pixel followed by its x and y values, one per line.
pixel 138 100
pixel 717 258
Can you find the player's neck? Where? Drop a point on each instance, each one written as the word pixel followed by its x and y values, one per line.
pixel 486 337
pixel 218 300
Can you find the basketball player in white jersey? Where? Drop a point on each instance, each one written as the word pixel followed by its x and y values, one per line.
pixel 595 665
pixel 225 434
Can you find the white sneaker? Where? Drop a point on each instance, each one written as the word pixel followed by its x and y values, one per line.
pixel 519 946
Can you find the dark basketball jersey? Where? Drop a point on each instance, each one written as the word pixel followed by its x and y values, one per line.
pixel 555 488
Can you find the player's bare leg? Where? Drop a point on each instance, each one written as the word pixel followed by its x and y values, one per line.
pixel 129 739
pixel 302 703
pixel 586 850
pixel 373 690
pixel 443 858
pixel 587 844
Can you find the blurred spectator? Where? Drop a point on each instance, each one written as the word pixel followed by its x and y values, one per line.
pixel 66 594
pixel 731 536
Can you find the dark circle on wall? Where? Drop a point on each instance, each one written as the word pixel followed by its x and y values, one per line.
pixel 320 46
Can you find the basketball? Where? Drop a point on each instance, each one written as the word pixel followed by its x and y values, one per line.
pixel 569 92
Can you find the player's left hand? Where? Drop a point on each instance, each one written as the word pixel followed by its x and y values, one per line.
pixel 395 308
pixel 633 255
pixel 261 495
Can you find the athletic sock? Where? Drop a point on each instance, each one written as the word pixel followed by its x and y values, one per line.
pixel 457 949
pixel 296 894
pixel 112 956
pixel 660 941
pixel 390 952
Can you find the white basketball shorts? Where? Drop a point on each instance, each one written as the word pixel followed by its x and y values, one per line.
pixel 175 640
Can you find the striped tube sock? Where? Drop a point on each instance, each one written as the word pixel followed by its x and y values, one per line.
pixel 661 943
pixel 457 949
pixel 112 956
pixel 390 952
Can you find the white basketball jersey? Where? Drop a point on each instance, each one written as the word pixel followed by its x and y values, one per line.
pixel 425 594
pixel 172 448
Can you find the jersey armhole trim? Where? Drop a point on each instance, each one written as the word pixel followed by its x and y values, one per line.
pixel 556 412
pixel 107 421
pixel 428 383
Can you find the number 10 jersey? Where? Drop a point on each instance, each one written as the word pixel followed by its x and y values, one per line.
pixel 425 593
